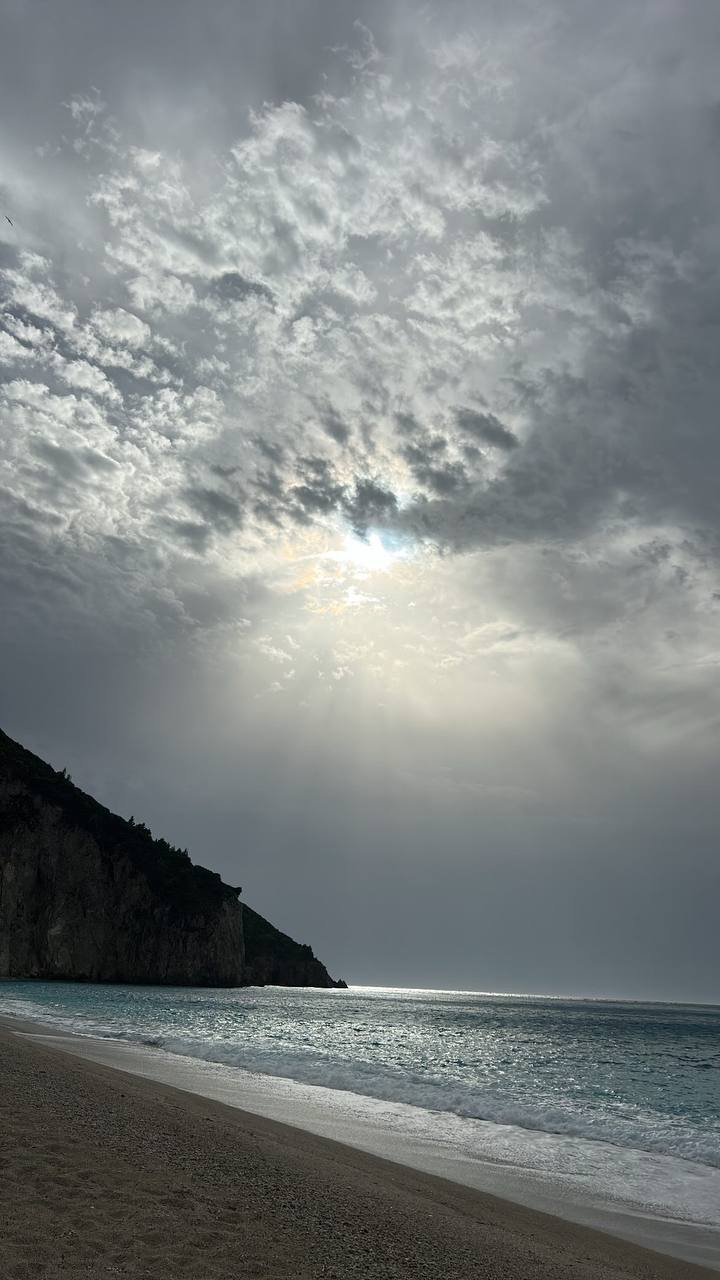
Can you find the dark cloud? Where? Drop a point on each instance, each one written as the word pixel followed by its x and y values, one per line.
pixel 272 450
pixel 321 492
pixel 335 427
pixel 407 423
pixel 486 427
pixel 318 496
pixel 189 533
pixel 433 473
pixel 225 473
pixel 220 511
pixel 270 513
pixel 369 504
pixel 271 483
pixel 232 287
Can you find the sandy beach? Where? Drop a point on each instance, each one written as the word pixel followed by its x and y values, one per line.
pixel 104 1173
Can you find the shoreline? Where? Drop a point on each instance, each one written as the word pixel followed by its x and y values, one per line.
pixel 331 1208
pixel 548 1176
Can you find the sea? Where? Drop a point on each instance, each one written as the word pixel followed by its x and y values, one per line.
pixel 605 1112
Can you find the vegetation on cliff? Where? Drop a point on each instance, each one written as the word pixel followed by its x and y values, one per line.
pixel 168 870
pixel 274 959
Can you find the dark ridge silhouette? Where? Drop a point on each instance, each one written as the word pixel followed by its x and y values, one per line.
pixel 87 895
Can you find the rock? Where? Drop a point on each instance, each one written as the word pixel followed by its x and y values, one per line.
pixel 88 896
pixel 273 958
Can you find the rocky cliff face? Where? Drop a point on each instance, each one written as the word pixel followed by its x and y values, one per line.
pixel 85 895
pixel 272 958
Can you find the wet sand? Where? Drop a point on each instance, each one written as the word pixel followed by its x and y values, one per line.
pixel 104 1174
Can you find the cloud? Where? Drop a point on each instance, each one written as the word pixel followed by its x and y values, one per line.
pixel 218 509
pixel 486 427
pixel 401 339
pixel 434 472
pixel 72 464
pixel 359 264
pixel 369 504
pixel 81 374
pixel 233 287
pixel 335 427
pixel 320 491
pixel 119 325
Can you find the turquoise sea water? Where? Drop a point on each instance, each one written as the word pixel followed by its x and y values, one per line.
pixel 645 1077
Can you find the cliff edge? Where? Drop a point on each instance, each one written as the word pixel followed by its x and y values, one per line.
pixel 88 896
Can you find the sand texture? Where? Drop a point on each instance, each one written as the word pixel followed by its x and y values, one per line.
pixel 106 1174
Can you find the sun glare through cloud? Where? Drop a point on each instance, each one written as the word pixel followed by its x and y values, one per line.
pixel 366 556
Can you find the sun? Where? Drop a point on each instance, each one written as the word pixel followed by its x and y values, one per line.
pixel 366 555
pixel 334 572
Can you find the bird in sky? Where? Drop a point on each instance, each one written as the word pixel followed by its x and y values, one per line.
pixel 7 219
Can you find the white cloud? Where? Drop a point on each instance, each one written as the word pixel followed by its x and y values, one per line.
pixel 13 352
pixel 78 373
pixel 121 326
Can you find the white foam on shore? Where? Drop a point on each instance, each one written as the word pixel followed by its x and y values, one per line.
pixel 664 1203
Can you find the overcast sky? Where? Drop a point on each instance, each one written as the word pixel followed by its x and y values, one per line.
pixel 360 463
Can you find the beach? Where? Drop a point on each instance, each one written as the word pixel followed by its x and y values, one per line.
pixel 105 1173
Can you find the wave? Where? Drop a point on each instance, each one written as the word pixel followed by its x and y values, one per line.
pixel 438 1095
pixel 621 1126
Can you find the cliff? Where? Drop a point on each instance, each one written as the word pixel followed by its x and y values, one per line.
pixel 85 895
pixel 272 958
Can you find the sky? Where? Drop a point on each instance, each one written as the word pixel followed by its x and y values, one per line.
pixel 359 461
